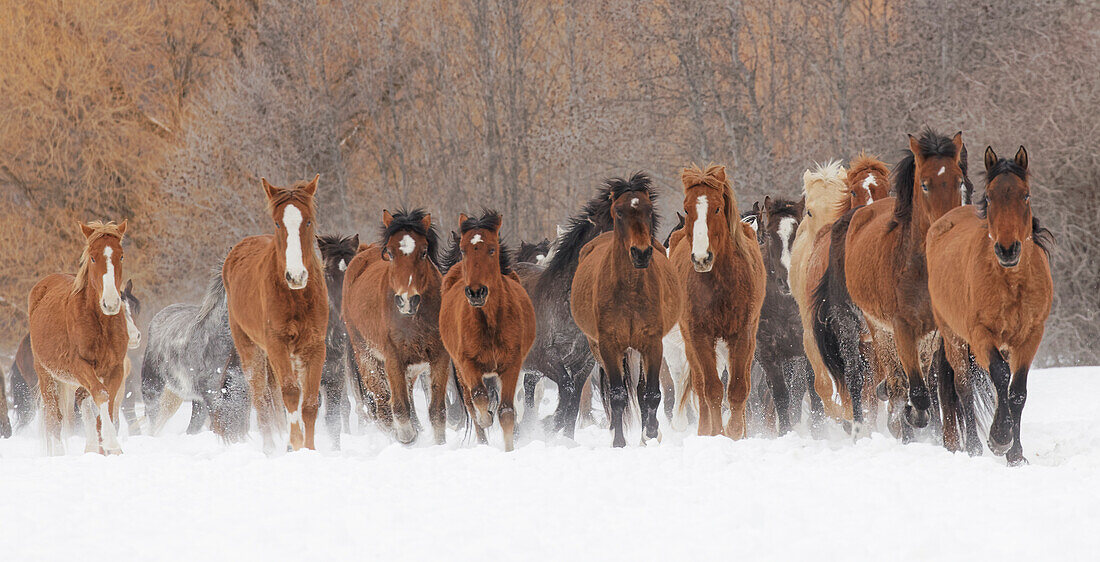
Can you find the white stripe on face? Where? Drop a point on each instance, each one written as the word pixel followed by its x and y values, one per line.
pixel 867 183
pixel 942 170
pixel 131 328
pixel 476 239
pixel 787 226
pixel 110 301
pixel 407 245
pixel 295 268
pixel 342 265
pixel 700 243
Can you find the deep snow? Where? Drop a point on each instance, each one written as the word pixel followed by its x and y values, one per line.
pixel 179 497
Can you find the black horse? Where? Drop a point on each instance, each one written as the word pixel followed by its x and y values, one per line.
pixel 336 254
pixel 190 356
pixel 533 252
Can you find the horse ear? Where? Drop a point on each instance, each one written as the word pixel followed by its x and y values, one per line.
pixel 122 228
pixel 311 187
pixel 87 230
pixel 1021 157
pixel 269 189
pixel 500 222
pixel 914 147
pixel 767 202
pixel 806 177
pixel 355 241
pixel 462 218
pixel 387 218
pixel 719 173
pixel 426 221
pixel 990 158
pixel 957 140
pixel 129 287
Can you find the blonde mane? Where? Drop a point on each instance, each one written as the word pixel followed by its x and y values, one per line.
pixel 99 230
pixel 715 177
pixel 826 190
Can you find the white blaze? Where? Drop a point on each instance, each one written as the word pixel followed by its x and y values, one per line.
pixel 131 328
pixel 634 203
pixel 292 220
pixel 476 239
pixel 110 301
pixel 867 183
pixel 343 266
pixel 407 245
pixel 699 239
pixel 786 228
pixel 942 170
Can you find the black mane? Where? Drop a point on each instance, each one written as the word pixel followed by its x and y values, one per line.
pixel 1042 236
pixel 411 221
pixel 931 144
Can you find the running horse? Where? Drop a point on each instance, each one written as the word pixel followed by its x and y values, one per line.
pixel 625 296
pixel 336 253
pixel 487 323
pixel 720 268
pixel 876 274
pixel 79 339
pixel 991 291
pixel 391 307
pixel 278 314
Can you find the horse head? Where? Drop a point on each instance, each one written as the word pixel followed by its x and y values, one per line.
pixel 484 261
pixel 409 243
pixel 101 264
pixel 779 220
pixel 133 309
pixel 293 211
pixel 710 209
pixel 1007 205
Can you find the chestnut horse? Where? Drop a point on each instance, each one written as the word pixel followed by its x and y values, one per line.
pixel 877 273
pixel 79 339
pixel 391 307
pixel 991 291
pixel 487 322
pixel 866 181
pixel 278 314
pixel 721 270
pixel 625 296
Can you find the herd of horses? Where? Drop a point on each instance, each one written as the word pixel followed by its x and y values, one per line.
pixel 876 286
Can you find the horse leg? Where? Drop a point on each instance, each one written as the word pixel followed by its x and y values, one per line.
pixel 88 410
pixel 530 381
pixel 870 380
pixel 129 400
pixel 400 400
pixel 199 411
pixel 437 406
pixel 948 397
pixel 792 369
pixel 332 390
pixel 649 398
pixel 817 406
pixel 373 379
pixel 1000 431
pixel 741 352
pixel 611 356
pixel 680 374
pixel 289 386
pixel 705 383
pixel 780 394
pixel 506 412
pixel 254 366
pixel 51 411
pixel 824 387
pixel 1017 395
pixel 577 381
pixel 958 356
pixel 917 410
pixel 584 405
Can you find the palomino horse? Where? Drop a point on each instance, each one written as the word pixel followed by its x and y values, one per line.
pixel 877 268
pixel 626 296
pixel 866 181
pixel 79 339
pixel 190 356
pixel 487 322
pixel 278 317
pixel 721 269
pixel 990 287
pixel 391 307
pixel 336 253
pixel 825 191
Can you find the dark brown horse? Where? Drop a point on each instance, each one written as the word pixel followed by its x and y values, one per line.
pixel 336 253
pixel 79 339
pixel 721 271
pixel 625 296
pixel 391 306
pixel 487 323
pixel 278 314
pixel 877 273
pixel 991 292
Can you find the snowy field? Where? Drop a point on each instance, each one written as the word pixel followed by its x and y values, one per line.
pixel 180 497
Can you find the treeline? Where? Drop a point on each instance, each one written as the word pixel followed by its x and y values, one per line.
pixel 168 112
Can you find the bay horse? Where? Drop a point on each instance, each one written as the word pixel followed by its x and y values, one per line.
pixel 825 191
pixel 876 274
pixel 991 292
pixel 487 322
pixel 391 308
pixel 560 351
pixel 866 181
pixel 79 339
pixel 533 252
pixel 625 296
pixel 721 270
pixel 190 356
pixel 336 253
pixel 277 317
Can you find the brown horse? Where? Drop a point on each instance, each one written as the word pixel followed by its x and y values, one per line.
pixel 866 181
pixel 625 296
pixel 79 339
pixel 877 268
pixel 391 306
pixel 991 290
pixel 487 322
pixel 278 314
pixel 721 270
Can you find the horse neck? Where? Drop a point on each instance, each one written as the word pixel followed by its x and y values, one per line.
pixel 335 284
pixel 492 312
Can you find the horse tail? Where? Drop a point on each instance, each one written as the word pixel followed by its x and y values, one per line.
pixel 831 308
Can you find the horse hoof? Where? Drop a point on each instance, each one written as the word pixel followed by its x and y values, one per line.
pixel 405 434
pixel 859 430
pixel 5 427
pixel 880 391
pixel 1018 461
pixel 916 417
pixel 999 449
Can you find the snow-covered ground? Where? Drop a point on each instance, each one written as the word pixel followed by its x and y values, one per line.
pixel 180 497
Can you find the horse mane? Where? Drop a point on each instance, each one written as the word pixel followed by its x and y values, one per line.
pixel 783 207
pixel 693 176
pixel 451 255
pixel 99 230
pixel 1041 235
pixel 931 144
pixel 827 182
pixel 293 194
pixel 412 222
pixel 327 240
pixel 214 296
pixel 489 220
pixel 593 219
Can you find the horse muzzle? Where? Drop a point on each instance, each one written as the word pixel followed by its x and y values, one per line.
pixel 407 305
pixel 297 281
pixel 704 264
pixel 641 258
pixel 110 308
pixel 1010 256
pixel 135 341
pixel 477 297
pixel 783 285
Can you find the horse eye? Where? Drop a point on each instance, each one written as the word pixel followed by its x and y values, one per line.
pixel 924 186
pixel 309 223
pixel 716 209
pixel 492 251
pixel 1027 197
pixel 93 260
pixel 424 255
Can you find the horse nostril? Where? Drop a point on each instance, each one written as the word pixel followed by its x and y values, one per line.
pixel 288 279
pixel 399 301
pixel 414 302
